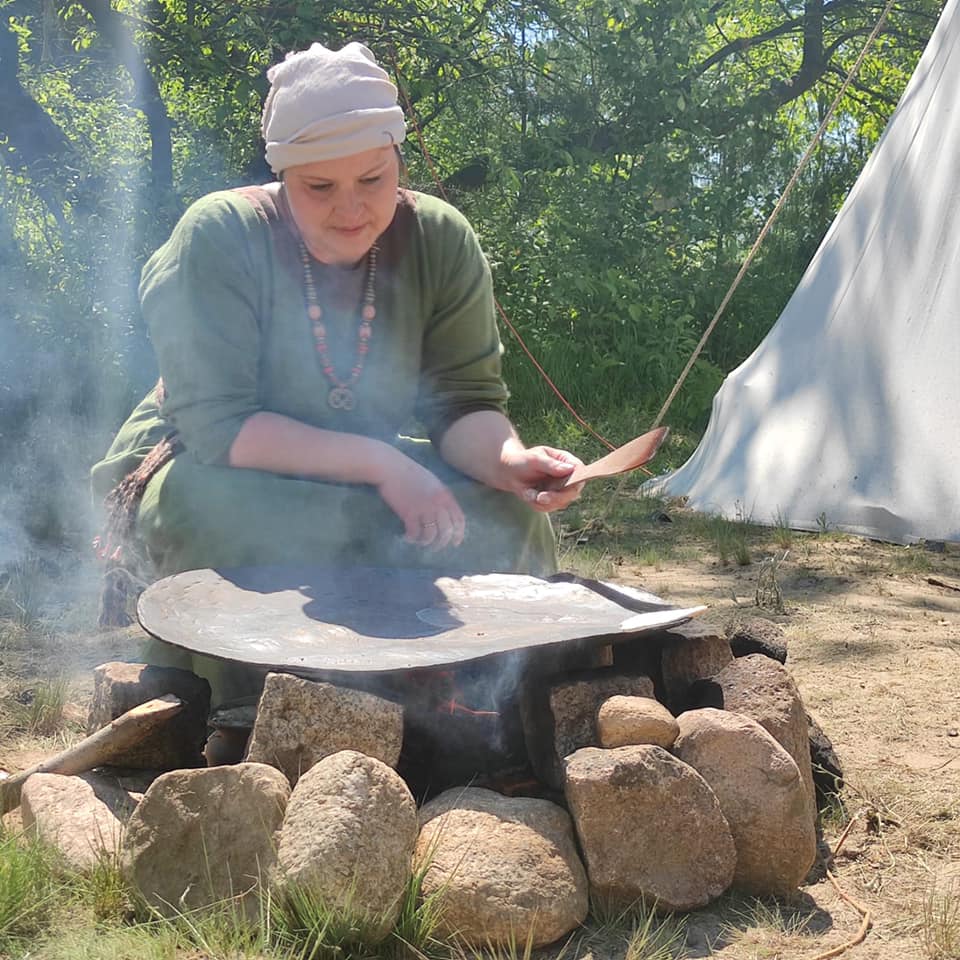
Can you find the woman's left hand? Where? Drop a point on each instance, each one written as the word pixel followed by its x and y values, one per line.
pixel 537 475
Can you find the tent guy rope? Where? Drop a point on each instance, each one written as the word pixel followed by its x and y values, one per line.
pixel 747 263
pixel 771 220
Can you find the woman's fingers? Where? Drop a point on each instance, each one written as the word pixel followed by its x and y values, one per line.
pixel 443 525
pixel 550 500
pixel 446 528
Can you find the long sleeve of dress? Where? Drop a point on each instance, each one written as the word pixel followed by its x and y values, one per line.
pixel 461 369
pixel 201 296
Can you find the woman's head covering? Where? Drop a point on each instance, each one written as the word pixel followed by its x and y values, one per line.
pixel 325 104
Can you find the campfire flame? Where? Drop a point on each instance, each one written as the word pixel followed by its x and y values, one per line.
pixel 453 703
pixel 452 706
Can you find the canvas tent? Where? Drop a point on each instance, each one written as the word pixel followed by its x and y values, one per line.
pixel 848 413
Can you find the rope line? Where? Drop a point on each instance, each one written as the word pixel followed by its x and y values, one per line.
pixel 804 160
pixel 728 296
pixel 502 313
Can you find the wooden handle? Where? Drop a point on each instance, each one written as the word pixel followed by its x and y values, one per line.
pixel 128 729
pixel 628 457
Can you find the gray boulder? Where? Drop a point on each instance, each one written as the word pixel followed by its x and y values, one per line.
pixel 118 687
pixel 761 794
pixel 691 652
pixel 506 869
pixel 763 690
pixel 757 635
pixel 650 827
pixel 300 722
pixel 199 837
pixel 562 717
pixel 81 816
pixel 348 839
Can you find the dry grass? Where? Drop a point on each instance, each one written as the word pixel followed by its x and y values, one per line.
pixel 940 927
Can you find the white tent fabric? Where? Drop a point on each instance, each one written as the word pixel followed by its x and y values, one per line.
pixel 848 413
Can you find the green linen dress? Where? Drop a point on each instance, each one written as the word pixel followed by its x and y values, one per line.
pixel 224 303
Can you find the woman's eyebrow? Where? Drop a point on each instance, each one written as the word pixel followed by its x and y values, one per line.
pixel 376 168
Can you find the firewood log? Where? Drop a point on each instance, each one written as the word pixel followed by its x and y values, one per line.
pixel 97 749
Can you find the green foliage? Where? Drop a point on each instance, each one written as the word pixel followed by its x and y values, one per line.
pixel 616 161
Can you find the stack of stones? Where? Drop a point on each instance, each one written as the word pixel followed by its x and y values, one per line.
pixel 670 805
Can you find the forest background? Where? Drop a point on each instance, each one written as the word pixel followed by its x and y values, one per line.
pixel 616 158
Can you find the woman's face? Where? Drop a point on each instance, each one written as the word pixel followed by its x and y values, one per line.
pixel 342 206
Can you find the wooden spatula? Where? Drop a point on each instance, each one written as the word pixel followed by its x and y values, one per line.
pixel 628 457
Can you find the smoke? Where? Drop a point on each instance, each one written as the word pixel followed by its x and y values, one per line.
pixel 72 357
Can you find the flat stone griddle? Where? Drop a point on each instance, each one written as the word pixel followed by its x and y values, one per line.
pixel 320 620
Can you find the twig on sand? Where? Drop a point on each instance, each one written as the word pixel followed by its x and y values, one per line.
pixel 948 584
pixel 844 835
pixel 866 919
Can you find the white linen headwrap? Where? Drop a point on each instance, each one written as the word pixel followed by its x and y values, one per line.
pixel 325 104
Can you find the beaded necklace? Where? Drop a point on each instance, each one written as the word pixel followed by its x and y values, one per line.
pixel 341 395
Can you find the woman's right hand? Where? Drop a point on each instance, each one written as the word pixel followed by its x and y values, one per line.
pixel 430 514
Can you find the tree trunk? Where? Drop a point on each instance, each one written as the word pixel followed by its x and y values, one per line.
pixel 114 30
pixel 38 144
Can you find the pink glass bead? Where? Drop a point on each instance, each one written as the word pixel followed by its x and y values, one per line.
pixel 369 312
pixel 314 312
pixel 364 331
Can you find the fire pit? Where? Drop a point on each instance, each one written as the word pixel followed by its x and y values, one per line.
pixel 459 653
pixel 517 743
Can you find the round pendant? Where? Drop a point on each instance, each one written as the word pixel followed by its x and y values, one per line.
pixel 340 398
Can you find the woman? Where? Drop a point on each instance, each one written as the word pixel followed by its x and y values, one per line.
pixel 300 328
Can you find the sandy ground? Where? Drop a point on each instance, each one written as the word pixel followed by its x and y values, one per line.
pixel 876 656
pixel 875 649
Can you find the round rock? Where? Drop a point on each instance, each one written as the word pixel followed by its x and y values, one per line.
pixel 505 869
pixel 650 827
pixel 200 837
pixel 763 690
pixel 627 721
pixel 348 838
pixel 761 793
pixel 756 635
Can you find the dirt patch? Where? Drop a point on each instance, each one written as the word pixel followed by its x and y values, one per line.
pixel 875 649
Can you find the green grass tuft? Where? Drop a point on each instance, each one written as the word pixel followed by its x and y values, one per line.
pixel 43 713
pixel 24 592
pixel 30 884
pixel 645 933
pixel 911 560
pixel 415 931
pixel 783 535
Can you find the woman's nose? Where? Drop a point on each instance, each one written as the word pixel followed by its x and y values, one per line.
pixel 350 201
